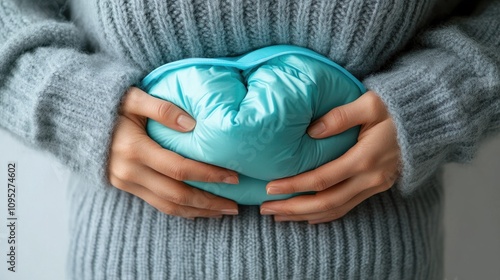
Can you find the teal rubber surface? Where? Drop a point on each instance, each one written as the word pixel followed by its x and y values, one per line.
pixel 252 113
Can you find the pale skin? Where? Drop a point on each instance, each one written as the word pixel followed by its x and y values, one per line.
pixel 138 165
pixel 368 168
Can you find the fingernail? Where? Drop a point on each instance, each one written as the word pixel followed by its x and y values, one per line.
pixel 186 122
pixel 229 211
pixel 273 190
pixel 231 180
pixel 316 129
pixel 267 211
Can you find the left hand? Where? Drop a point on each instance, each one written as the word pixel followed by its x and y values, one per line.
pixel 368 168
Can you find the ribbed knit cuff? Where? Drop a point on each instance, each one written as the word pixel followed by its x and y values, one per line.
pixel 70 104
pixel 443 95
pixel 405 97
pixel 428 113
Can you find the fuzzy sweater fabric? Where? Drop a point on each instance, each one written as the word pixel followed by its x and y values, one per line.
pixel 65 65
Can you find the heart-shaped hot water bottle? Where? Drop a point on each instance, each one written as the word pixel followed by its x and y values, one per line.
pixel 252 113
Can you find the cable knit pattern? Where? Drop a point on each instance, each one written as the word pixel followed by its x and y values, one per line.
pixel 65 65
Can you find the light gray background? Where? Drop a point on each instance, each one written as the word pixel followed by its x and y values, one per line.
pixel 472 215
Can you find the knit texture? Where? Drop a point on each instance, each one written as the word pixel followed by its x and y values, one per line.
pixel 53 94
pixel 444 95
pixel 117 236
pixel 65 66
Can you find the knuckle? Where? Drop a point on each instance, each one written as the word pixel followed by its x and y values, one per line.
pixel 129 152
pixel 173 210
pixel 207 201
pixel 117 145
pixel 372 101
pixel 208 204
pixel 384 186
pixel 126 174
pixel 378 180
pixel 287 211
pixel 129 100
pixel 339 116
pixel 165 109
pixel 294 188
pixel 324 205
pixel 125 149
pixel 158 190
pixel 209 175
pixel 132 95
pixel 391 176
pixel 374 104
pixel 178 172
pixel 178 198
pixel 320 183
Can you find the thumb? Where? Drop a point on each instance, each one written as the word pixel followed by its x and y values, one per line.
pixel 140 103
pixel 342 118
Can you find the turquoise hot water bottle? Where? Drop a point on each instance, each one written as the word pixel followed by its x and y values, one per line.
pixel 252 113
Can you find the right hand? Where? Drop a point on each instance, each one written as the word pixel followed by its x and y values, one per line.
pixel 140 166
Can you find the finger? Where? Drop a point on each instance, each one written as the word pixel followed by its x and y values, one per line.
pixel 140 103
pixel 341 118
pixel 180 168
pixel 333 214
pixel 317 179
pixel 323 201
pixel 169 207
pixel 182 194
pixel 348 207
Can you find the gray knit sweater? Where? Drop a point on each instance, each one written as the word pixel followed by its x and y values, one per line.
pixel 436 64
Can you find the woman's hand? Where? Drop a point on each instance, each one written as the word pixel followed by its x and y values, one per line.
pixel 368 168
pixel 140 166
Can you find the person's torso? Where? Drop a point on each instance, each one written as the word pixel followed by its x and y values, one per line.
pixel 358 34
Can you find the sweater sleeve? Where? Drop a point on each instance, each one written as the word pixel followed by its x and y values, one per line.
pixel 54 95
pixel 444 93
